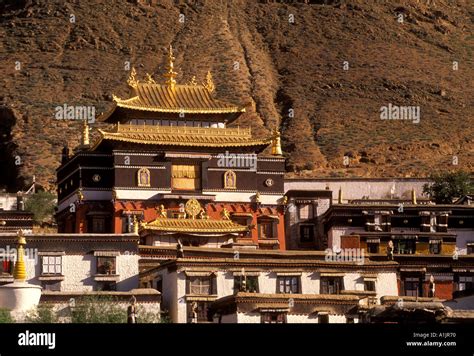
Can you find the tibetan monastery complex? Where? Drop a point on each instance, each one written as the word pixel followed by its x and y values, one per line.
pixel 191 214
pixel 172 163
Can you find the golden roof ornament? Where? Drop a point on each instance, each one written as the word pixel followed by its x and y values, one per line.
pixel 162 211
pixel 203 215
pixel 19 272
pixel 193 81
pixel 209 83
pixel 135 225
pixel 132 79
pixel 85 134
pixel 80 195
pixel 276 143
pixel 225 214
pixel 171 74
pixel 192 208
pixel 339 198
pixel 413 196
pixel 149 79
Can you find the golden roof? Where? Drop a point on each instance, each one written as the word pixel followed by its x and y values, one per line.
pixel 195 225
pixel 171 97
pixel 186 99
pixel 182 136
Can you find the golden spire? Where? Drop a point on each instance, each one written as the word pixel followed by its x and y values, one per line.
pixel 413 196
pixel 19 273
pixel 132 79
pixel 85 134
pixel 209 84
pixel 276 143
pixel 171 74
pixel 339 199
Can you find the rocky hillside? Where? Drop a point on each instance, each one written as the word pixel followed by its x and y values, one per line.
pixel 321 72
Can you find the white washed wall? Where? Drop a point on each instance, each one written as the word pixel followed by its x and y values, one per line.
pixel 356 189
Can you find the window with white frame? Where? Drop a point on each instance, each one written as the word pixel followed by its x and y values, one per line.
pixel 51 264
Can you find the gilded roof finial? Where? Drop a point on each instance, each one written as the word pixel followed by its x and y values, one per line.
pixel 171 74
pixel 132 79
pixel 276 143
pixel 340 196
pixel 193 81
pixel 19 273
pixel 135 225
pixel 413 196
pixel 149 79
pixel 209 84
pixel 85 134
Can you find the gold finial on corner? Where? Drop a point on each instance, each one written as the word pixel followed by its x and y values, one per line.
pixel 171 74
pixel 19 272
pixel 80 195
pixel 413 196
pixel 149 79
pixel 339 198
pixel 85 134
pixel 276 143
pixel 209 83
pixel 132 79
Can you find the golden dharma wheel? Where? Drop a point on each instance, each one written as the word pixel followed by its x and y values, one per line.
pixel 192 208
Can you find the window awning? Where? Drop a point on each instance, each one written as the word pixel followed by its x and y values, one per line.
pixel 198 273
pixel 288 274
pixel 331 274
pixel 132 212
pixel 106 253
pixel 51 253
pixel 413 269
pixel 373 240
pixel 246 274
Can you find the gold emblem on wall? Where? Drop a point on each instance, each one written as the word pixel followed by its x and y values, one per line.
pixel 230 180
pixel 143 177
pixel 192 208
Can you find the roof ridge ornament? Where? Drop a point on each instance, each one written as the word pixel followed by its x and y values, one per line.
pixel 171 74
pixel 209 83
pixel 132 79
pixel 193 81
pixel 149 79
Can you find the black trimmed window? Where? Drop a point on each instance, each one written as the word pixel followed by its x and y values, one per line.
pixel 246 284
pixel 201 285
pixel 288 284
pixel 412 287
pixel 273 317
pixel 306 233
pixel 331 285
pixel 435 247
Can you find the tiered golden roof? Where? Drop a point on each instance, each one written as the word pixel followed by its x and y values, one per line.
pixel 187 99
pixel 182 136
pixel 171 97
pixel 195 226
